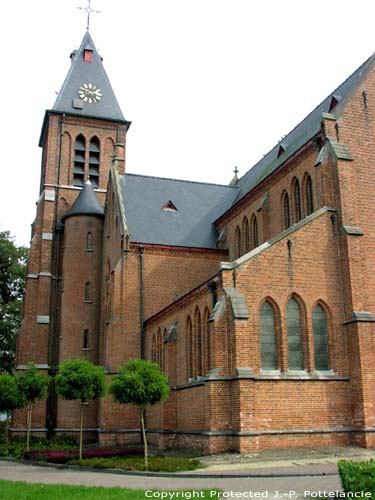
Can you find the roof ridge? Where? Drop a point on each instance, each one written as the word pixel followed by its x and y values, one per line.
pixel 309 114
pixel 180 180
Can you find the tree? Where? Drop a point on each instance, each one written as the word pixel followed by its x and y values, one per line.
pixel 10 399
pixel 80 379
pixel 12 281
pixel 140 383
pixel 32 385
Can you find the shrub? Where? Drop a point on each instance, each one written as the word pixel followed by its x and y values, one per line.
pixel 156 464
pixel 63 457
pixel 358 477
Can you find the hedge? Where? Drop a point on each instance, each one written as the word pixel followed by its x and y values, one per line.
pixel 358 477
pixel 62 457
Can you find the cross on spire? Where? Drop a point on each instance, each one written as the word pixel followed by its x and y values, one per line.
pixel 235 170
pixel 89 11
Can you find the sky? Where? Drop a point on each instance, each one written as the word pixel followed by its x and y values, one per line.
pixel 209 85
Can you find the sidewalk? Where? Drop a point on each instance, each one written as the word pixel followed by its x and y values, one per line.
pixel 270 474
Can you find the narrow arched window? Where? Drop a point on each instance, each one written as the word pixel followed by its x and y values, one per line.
pixel 206 342
pixel 294 332
pixel 189 348
pixel 267 326
pixel 79 161
pixel 87 292
pixel 319 320
pixel 309 196
pixel 198 343
pixel 89 242
pixel 158 348
pixel 297 201
pixel 286 211
pixel 238 243
pixel 254 232
pixel 153 349
pixel 246 234
pixel 85 339
pixel 94 161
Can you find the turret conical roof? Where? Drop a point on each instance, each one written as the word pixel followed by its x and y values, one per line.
pixel 86 89
pixel 86 203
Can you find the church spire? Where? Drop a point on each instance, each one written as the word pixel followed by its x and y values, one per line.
pixel 87 90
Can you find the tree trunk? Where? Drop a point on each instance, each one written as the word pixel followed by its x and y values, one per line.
pixel 7 433
pixel 144 437
pixel 80 432
pixel 29 412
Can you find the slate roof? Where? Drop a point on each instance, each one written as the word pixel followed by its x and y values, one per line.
pixel 86 203
pixel 302 133
pixel 197 204
pixel 82 72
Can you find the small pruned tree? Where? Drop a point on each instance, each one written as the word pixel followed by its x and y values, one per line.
pixel 140 383
pixel 10 399
pixel 80 379
pixel 32 385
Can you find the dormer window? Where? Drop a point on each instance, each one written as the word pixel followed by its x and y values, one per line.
pixel 334 101
pixel 87 54
pixel 169 206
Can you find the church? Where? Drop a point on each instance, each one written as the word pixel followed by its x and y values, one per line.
pixel 257 298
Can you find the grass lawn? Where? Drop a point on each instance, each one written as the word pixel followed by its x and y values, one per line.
pixel 10 490
pixel 136 462
pixel 26 491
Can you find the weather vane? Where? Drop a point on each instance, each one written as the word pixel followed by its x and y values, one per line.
pixel 89 11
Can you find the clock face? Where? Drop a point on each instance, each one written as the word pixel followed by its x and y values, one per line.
pixel 88 92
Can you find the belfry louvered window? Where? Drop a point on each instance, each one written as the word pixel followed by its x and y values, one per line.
pixel 268 351
pixel 94 161
pixel 294 331
pixel 79 161
pixel 319 320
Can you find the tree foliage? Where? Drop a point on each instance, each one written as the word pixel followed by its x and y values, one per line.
pixel 140 383
pixel 32 385
pixel 80 379
pixel 12 281
pixel 10 399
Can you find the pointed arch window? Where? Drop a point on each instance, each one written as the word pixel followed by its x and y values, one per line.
pixel 94 161
pixel 79 161
pixel 206 341
pixel 246 234
pixel 294 333
pixel 309 196
pixel 254 232
pixel 198 343
pixel 297 201
pixel 319 320
pixel 153 349
pixel 238 243
pixel 189 348
pixel 268 350
pixel 286 211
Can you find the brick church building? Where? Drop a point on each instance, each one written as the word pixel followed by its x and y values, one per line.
pixel 257 298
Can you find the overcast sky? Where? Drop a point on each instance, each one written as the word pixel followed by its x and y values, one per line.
pixel 208 84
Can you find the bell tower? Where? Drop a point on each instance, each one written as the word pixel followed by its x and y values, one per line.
pixel 77 138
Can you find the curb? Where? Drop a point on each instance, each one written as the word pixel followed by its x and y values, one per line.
pixel 179 475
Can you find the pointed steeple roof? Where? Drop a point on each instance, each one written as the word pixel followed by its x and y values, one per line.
pixel 87 71
pixel 86 203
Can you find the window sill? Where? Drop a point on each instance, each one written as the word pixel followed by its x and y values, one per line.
pixel 87 301
pixel 86 349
